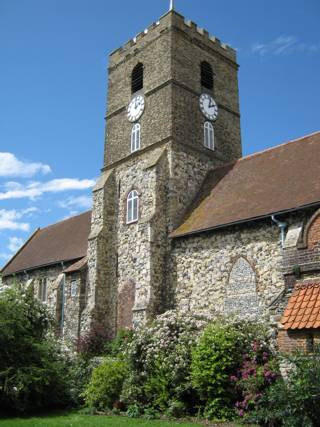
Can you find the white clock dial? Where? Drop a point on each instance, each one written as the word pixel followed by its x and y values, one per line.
pixel 208 106
pixel 135 108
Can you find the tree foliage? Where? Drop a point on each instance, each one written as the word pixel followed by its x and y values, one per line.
pixel 33 374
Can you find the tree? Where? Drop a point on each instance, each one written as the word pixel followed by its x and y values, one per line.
pixel 33 373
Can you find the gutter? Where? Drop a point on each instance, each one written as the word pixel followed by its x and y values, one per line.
pixel 41 266
pixel 282 226
pixel 244 221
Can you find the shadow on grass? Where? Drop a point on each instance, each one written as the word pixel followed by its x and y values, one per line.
pixel 10 415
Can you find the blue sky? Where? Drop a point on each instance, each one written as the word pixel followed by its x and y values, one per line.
pixel 53 60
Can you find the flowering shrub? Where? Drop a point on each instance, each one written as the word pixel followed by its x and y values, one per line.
pixel 258 371
pixel 217 360
pixel 80 374
pixel 94 342
pixel 293 402
pixel 33 374
pixel 119 344
pixel 159 358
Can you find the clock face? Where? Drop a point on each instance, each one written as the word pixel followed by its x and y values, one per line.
pixel 208 106
pixel 135 108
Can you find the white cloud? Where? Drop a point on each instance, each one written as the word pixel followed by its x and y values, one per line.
pixel 29 211
pixel 284 45
pixel 81 202
pixel 11 166
pixel 33 190
pixel 15 243
pixel 9 220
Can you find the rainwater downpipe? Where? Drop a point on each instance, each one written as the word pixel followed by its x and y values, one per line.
pixel 282 226
pixel 62 300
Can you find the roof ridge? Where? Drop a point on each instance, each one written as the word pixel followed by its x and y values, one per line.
pixel 278 146
pixel 65 220
pixel 307 283
pixel 249 156
pixel 20 249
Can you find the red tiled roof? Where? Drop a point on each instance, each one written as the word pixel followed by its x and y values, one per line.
pixel 64 241
pixel 276 180
pixel 303 309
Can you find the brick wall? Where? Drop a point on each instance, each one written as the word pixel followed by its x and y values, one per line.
pixel 288 341
pixel 313 237
pixel 306 255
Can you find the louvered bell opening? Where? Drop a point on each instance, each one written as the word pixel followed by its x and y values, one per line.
pixel 137 78
pixel 206 76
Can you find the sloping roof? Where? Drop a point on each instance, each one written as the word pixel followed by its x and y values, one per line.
pixel 303 309
pixel 280 179
pixel 64 241
pixel 77 266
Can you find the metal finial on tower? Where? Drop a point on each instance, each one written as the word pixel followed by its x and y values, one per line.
pixel 171 5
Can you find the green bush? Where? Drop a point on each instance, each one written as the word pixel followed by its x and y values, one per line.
pixel 33 373
pixel 216 359
pixel 213 361
pixel 106 382
pixel 296 401
pixel 80 375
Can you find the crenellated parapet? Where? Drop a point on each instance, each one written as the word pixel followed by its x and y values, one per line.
pixel 169 21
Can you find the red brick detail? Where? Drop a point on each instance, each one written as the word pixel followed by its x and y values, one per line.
pixel 289 341
pixel 126 299
pixel 313 236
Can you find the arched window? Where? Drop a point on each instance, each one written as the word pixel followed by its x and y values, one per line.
pixel 206 75
pixel 311 237
pixel 135 137
pixel 137 78
pixel 241 290
pixel 42 290
pixel 209 135
pixel 132 207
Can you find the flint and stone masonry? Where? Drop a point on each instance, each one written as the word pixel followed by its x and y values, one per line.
pixel 167 171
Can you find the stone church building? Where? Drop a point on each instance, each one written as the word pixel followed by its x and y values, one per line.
pixel 180 219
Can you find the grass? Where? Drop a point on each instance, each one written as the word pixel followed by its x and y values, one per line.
pixel 76 420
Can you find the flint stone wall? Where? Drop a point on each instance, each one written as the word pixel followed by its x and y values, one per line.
pixel 234 270
pixel 75 287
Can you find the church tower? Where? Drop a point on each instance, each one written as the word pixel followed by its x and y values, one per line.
pixel 173 115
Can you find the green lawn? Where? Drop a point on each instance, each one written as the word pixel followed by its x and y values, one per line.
pixel 76 420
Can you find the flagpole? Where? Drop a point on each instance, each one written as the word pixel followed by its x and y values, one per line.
pixel 171 5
